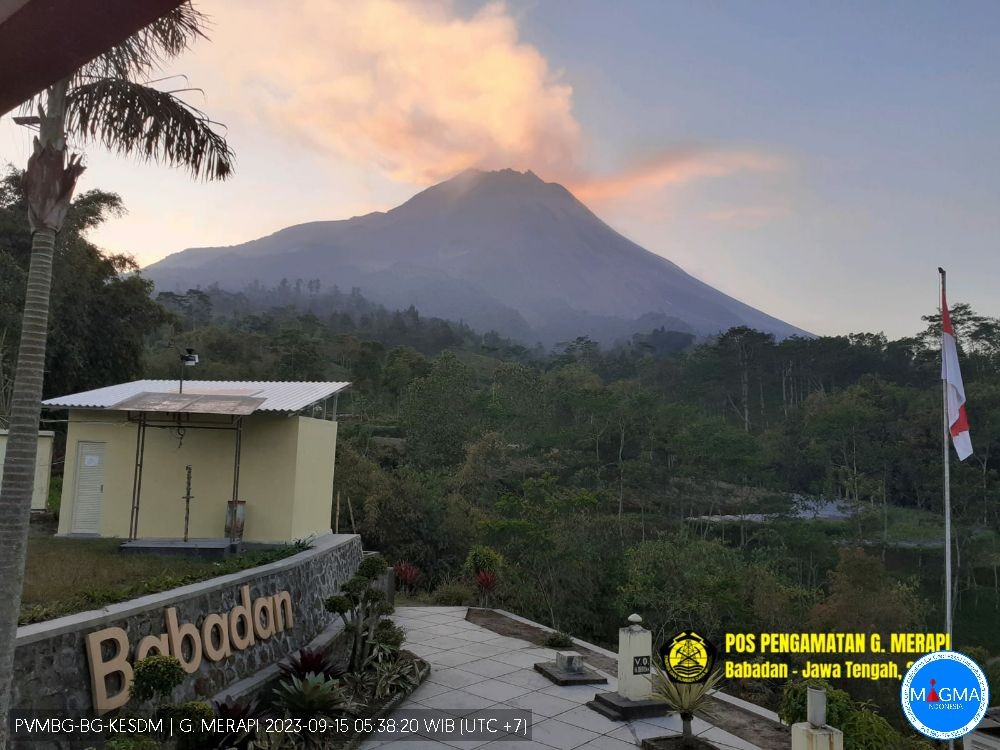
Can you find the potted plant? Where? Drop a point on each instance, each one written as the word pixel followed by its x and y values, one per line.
pixel 687 699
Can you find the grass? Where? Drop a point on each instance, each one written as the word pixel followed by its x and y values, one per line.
pixel 905 525
pixel 55 495
pixel 416 599
pixel 64 576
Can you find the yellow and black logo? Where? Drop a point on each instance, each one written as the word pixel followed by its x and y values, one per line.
pixel 688 657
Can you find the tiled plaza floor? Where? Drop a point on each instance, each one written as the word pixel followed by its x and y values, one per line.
pixel 473 668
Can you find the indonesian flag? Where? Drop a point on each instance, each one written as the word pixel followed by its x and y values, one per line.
pixel 958 422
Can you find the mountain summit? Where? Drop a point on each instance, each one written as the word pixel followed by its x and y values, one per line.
pixel 500 250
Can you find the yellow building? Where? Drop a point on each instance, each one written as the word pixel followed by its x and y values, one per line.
pixel 264 448
pixel 43 467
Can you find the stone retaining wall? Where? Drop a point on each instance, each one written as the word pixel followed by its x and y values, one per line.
pixel 51 669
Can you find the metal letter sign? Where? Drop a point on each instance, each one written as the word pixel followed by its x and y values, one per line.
pixel 640 664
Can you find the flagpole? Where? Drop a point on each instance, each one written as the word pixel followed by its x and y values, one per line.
pixel 946 434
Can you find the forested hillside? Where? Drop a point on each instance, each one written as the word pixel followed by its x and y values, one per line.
pixel 580 478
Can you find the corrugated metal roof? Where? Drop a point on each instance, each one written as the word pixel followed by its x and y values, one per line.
pixel 278 396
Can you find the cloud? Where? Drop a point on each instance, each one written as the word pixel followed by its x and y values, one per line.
pixel 410 86
pixel 420 92
pixel 672 168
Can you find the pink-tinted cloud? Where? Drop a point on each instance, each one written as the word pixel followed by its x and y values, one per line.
pixel 672 168
pixel 421 91
pixel 410 86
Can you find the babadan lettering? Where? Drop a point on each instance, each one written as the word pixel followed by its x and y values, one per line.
pixel 220 634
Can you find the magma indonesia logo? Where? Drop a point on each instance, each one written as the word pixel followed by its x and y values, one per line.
pixel 945 695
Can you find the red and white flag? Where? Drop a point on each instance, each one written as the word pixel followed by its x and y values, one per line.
pixel 958 422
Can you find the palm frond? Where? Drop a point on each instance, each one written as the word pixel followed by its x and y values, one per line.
pixel 146 50
pixel 681 696
pixel 143 53
pixel 140 121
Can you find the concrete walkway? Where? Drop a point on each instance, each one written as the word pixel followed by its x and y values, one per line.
pixel 473 668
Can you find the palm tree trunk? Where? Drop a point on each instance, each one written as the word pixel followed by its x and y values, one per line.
pixel 22 448
pixel 49 183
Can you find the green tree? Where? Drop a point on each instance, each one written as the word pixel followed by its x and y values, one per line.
pixel 109 101
pixel 437 413
pixel 100 309
pixel 299 356
pixel 682 582
pixel 865 598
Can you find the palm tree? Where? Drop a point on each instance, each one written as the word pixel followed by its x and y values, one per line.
pixel 685 698
pixel 111 101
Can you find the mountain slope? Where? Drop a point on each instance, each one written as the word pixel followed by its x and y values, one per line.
pixel 500 250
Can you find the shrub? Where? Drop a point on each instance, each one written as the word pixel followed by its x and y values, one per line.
pixel 978 654
pixel 993 675
pixel 312 697
pixel 684 698
pixel 54 499
pixel 407 575
pixel 792 710
pixel 156 676
pixel 486 581
pixel 308 661
pixel 454 594
pixel 372 567
pixel 558 639
pixel 361 605
pixel 395 677
pixel 480 558
pixel 237 711
pixel 386 640
pixel 866 730
pixel 195 711
pixel 132 743
pixel 361 685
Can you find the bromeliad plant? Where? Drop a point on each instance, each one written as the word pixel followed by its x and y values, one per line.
pixel 313 697
pixel 361 605
pixel 486 581
pixel 308 661
pixel 407 575
pixel 394 677
pixel 685 698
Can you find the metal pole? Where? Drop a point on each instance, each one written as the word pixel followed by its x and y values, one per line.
pixel 187 503
pixel 140 456
pixel 236 479
pixel 946 437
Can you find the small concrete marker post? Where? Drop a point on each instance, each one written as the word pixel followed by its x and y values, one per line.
pixel 569 669
pixel 635 648
pixel 569 661
pixel 814 734
pixel 635 688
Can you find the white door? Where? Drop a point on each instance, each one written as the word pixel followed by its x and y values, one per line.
pixel 89 488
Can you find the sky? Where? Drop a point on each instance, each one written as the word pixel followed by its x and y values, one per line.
pixel 818 161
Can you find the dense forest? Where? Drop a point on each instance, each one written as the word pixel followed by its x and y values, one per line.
pixel 736 483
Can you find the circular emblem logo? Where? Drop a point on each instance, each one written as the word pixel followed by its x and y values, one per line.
pixel 945 695
pixel 687 657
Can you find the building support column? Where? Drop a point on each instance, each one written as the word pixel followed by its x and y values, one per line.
pixel 140 454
